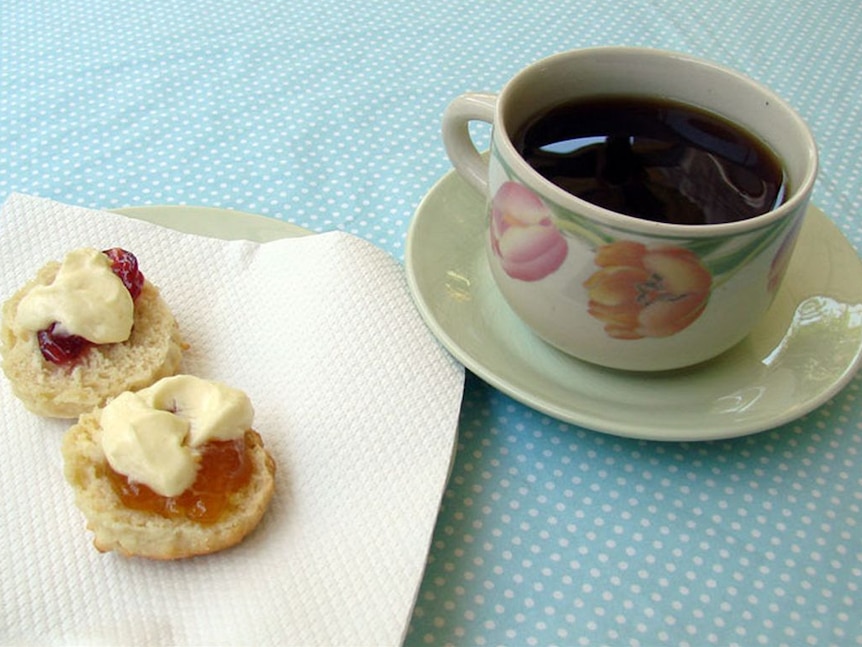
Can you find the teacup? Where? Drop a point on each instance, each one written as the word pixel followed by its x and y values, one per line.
pixel 608 287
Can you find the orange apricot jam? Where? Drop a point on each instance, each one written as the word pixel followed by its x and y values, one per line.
pixel 225 468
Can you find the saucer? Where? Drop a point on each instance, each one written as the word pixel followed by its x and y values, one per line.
pixel 807 347
pixel 215 222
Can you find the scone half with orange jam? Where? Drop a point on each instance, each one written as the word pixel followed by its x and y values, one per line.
pixel 84 330
pixel 171 471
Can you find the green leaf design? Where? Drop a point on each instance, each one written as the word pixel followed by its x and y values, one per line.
pixel 581 228
pixel 728 255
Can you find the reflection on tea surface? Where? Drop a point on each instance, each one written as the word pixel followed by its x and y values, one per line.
pixel 654 159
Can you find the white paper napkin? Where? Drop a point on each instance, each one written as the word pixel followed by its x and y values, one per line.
pixel 354 398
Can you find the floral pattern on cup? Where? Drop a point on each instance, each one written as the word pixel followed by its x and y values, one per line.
pixel 646 291
pixel 638 289
pixel 523 234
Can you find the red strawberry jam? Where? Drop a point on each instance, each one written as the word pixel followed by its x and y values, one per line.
pixel 60 349
pixel 65 349
pixel 125 266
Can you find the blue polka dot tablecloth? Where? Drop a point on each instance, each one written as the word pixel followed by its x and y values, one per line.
pixel 327 114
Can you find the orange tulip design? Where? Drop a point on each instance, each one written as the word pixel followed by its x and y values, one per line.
pixel 641 291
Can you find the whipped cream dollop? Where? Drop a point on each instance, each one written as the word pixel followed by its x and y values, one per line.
pixel 85 299
pixel 152 436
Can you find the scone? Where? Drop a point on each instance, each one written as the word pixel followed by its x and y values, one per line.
pixel 62 375
pixel 171 471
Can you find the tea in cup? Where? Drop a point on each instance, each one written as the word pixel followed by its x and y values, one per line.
pixel 642 205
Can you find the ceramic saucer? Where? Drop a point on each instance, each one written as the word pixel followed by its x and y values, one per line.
pixel 804 351
pixel 215 222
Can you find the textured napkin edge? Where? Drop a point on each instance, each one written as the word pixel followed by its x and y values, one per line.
pixel 452 435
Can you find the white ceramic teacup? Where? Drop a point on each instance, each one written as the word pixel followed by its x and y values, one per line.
pixel 613 289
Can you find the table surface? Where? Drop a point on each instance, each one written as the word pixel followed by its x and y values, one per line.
pixel 326 114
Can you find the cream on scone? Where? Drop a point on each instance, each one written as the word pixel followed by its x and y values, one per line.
pixel 170 471
pixel 85 330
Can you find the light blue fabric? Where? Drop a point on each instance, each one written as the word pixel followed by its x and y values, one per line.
pixel 327 113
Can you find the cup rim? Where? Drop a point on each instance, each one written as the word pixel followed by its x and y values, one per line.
pixel 529 176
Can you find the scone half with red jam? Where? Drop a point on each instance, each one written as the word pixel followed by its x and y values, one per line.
pixel 170 471
pixel 84 330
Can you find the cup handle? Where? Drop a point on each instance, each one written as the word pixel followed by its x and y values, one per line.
pixel 462 152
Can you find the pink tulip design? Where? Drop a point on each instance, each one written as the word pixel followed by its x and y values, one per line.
pixel 523 235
